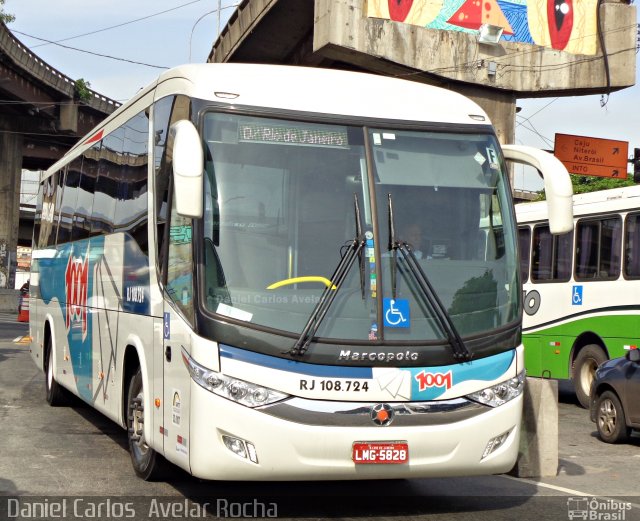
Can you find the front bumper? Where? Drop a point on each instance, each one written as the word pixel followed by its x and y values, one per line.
pixel 290 449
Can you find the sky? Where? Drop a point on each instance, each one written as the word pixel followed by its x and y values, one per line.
pixel 186 32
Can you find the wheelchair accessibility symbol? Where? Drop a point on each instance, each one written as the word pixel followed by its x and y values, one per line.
pixel 396 312
pixel 576 296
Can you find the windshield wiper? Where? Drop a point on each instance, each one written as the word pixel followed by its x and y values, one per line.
pixel 353 250
pixel 460 350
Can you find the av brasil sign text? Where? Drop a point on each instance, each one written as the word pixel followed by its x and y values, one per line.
pixel 592 156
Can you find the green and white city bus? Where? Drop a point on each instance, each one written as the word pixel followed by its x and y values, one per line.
pixel 223 267
pixel 581 289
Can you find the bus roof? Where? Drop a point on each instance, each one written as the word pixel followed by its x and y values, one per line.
pixel 303 89
pixel 602 201
pixel 328 91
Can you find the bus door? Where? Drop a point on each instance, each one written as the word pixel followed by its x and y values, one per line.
pixel 178 314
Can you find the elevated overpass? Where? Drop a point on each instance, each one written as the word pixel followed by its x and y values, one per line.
pixel 594 52
pixel 41 116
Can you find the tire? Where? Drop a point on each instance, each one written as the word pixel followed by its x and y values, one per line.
pixel 56 395
pixel 147 463
pixel 584 370
pixel 610 419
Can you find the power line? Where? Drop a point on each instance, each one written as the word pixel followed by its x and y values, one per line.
pixel 531 128
pixel 538 111
pixel 118 25
pixel 91 52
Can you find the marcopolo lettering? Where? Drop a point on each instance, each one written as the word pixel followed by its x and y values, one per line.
pixel 381 356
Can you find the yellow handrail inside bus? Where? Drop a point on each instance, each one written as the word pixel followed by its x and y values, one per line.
pixel 296 280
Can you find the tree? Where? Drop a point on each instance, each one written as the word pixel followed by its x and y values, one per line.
pixel 82 89
pixel 584 183
pixel 5 17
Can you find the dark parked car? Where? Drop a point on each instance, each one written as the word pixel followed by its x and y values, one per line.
pixel 615 397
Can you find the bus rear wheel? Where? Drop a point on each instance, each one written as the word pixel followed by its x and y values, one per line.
pixel 147 463
pixel 584 371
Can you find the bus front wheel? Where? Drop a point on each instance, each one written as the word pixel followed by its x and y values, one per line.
pixel 146 461
pixel 584 371
pixel 56 394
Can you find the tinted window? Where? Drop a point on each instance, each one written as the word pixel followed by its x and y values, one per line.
pixel 84 205
pixel 37 218
pixel 165 112
pixel 50 195
pixel 131 206
pixel 104 201
pixel 69 199
pixel 598 244
pixel 551 255
pixel 632 246
pixel 524 247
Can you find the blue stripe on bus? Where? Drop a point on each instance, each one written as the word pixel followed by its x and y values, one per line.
pixel 282 364
pixel 486 369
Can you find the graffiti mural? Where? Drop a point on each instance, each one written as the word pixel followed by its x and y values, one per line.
pixel 565 25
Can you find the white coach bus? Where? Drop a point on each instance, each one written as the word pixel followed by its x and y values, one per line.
pixel 581 289
pixel 223 267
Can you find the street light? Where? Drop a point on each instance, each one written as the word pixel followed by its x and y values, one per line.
pixel 218 10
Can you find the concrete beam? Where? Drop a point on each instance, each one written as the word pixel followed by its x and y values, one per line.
pixel 343 31
pixel 68 116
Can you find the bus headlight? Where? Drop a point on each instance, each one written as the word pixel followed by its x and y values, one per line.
pixel 239 391
pixel 501 393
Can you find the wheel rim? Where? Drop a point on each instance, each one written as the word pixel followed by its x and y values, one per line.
pixel 136 433
pixel 607 417
pixel 587 374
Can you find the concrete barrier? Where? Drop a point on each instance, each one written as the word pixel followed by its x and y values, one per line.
pixel 539 438
pixel 9 299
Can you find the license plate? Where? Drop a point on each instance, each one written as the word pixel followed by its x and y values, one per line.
pixel 386 452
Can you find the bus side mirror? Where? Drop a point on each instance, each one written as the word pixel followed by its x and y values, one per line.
pixel 634 355
pixel 557 184
pixel 188 169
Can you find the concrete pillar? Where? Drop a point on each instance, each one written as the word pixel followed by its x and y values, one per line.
pixel 10 173
pixel 539 438
pixel 501 109
pixel 68 116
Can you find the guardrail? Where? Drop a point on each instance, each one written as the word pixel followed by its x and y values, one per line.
pixel 34 65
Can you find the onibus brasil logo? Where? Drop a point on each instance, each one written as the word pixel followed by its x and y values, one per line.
pixel 76 282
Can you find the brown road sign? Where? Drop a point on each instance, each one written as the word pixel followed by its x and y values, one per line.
pixel 583 155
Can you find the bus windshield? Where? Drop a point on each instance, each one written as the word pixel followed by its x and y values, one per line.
pixel 281 199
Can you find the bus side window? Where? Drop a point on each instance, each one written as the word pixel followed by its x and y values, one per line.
pixel 552 255
pixel 180 263
pixel 598 248
pixel 50 206
pixel 165 112
pixel 69 199
pixel 632 246
pixel 524 247
pixel 86 192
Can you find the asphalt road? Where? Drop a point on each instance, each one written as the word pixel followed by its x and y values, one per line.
pixel 73 461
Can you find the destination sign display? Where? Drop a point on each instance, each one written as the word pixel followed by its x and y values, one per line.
pixel 583 155
pixel 290 135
